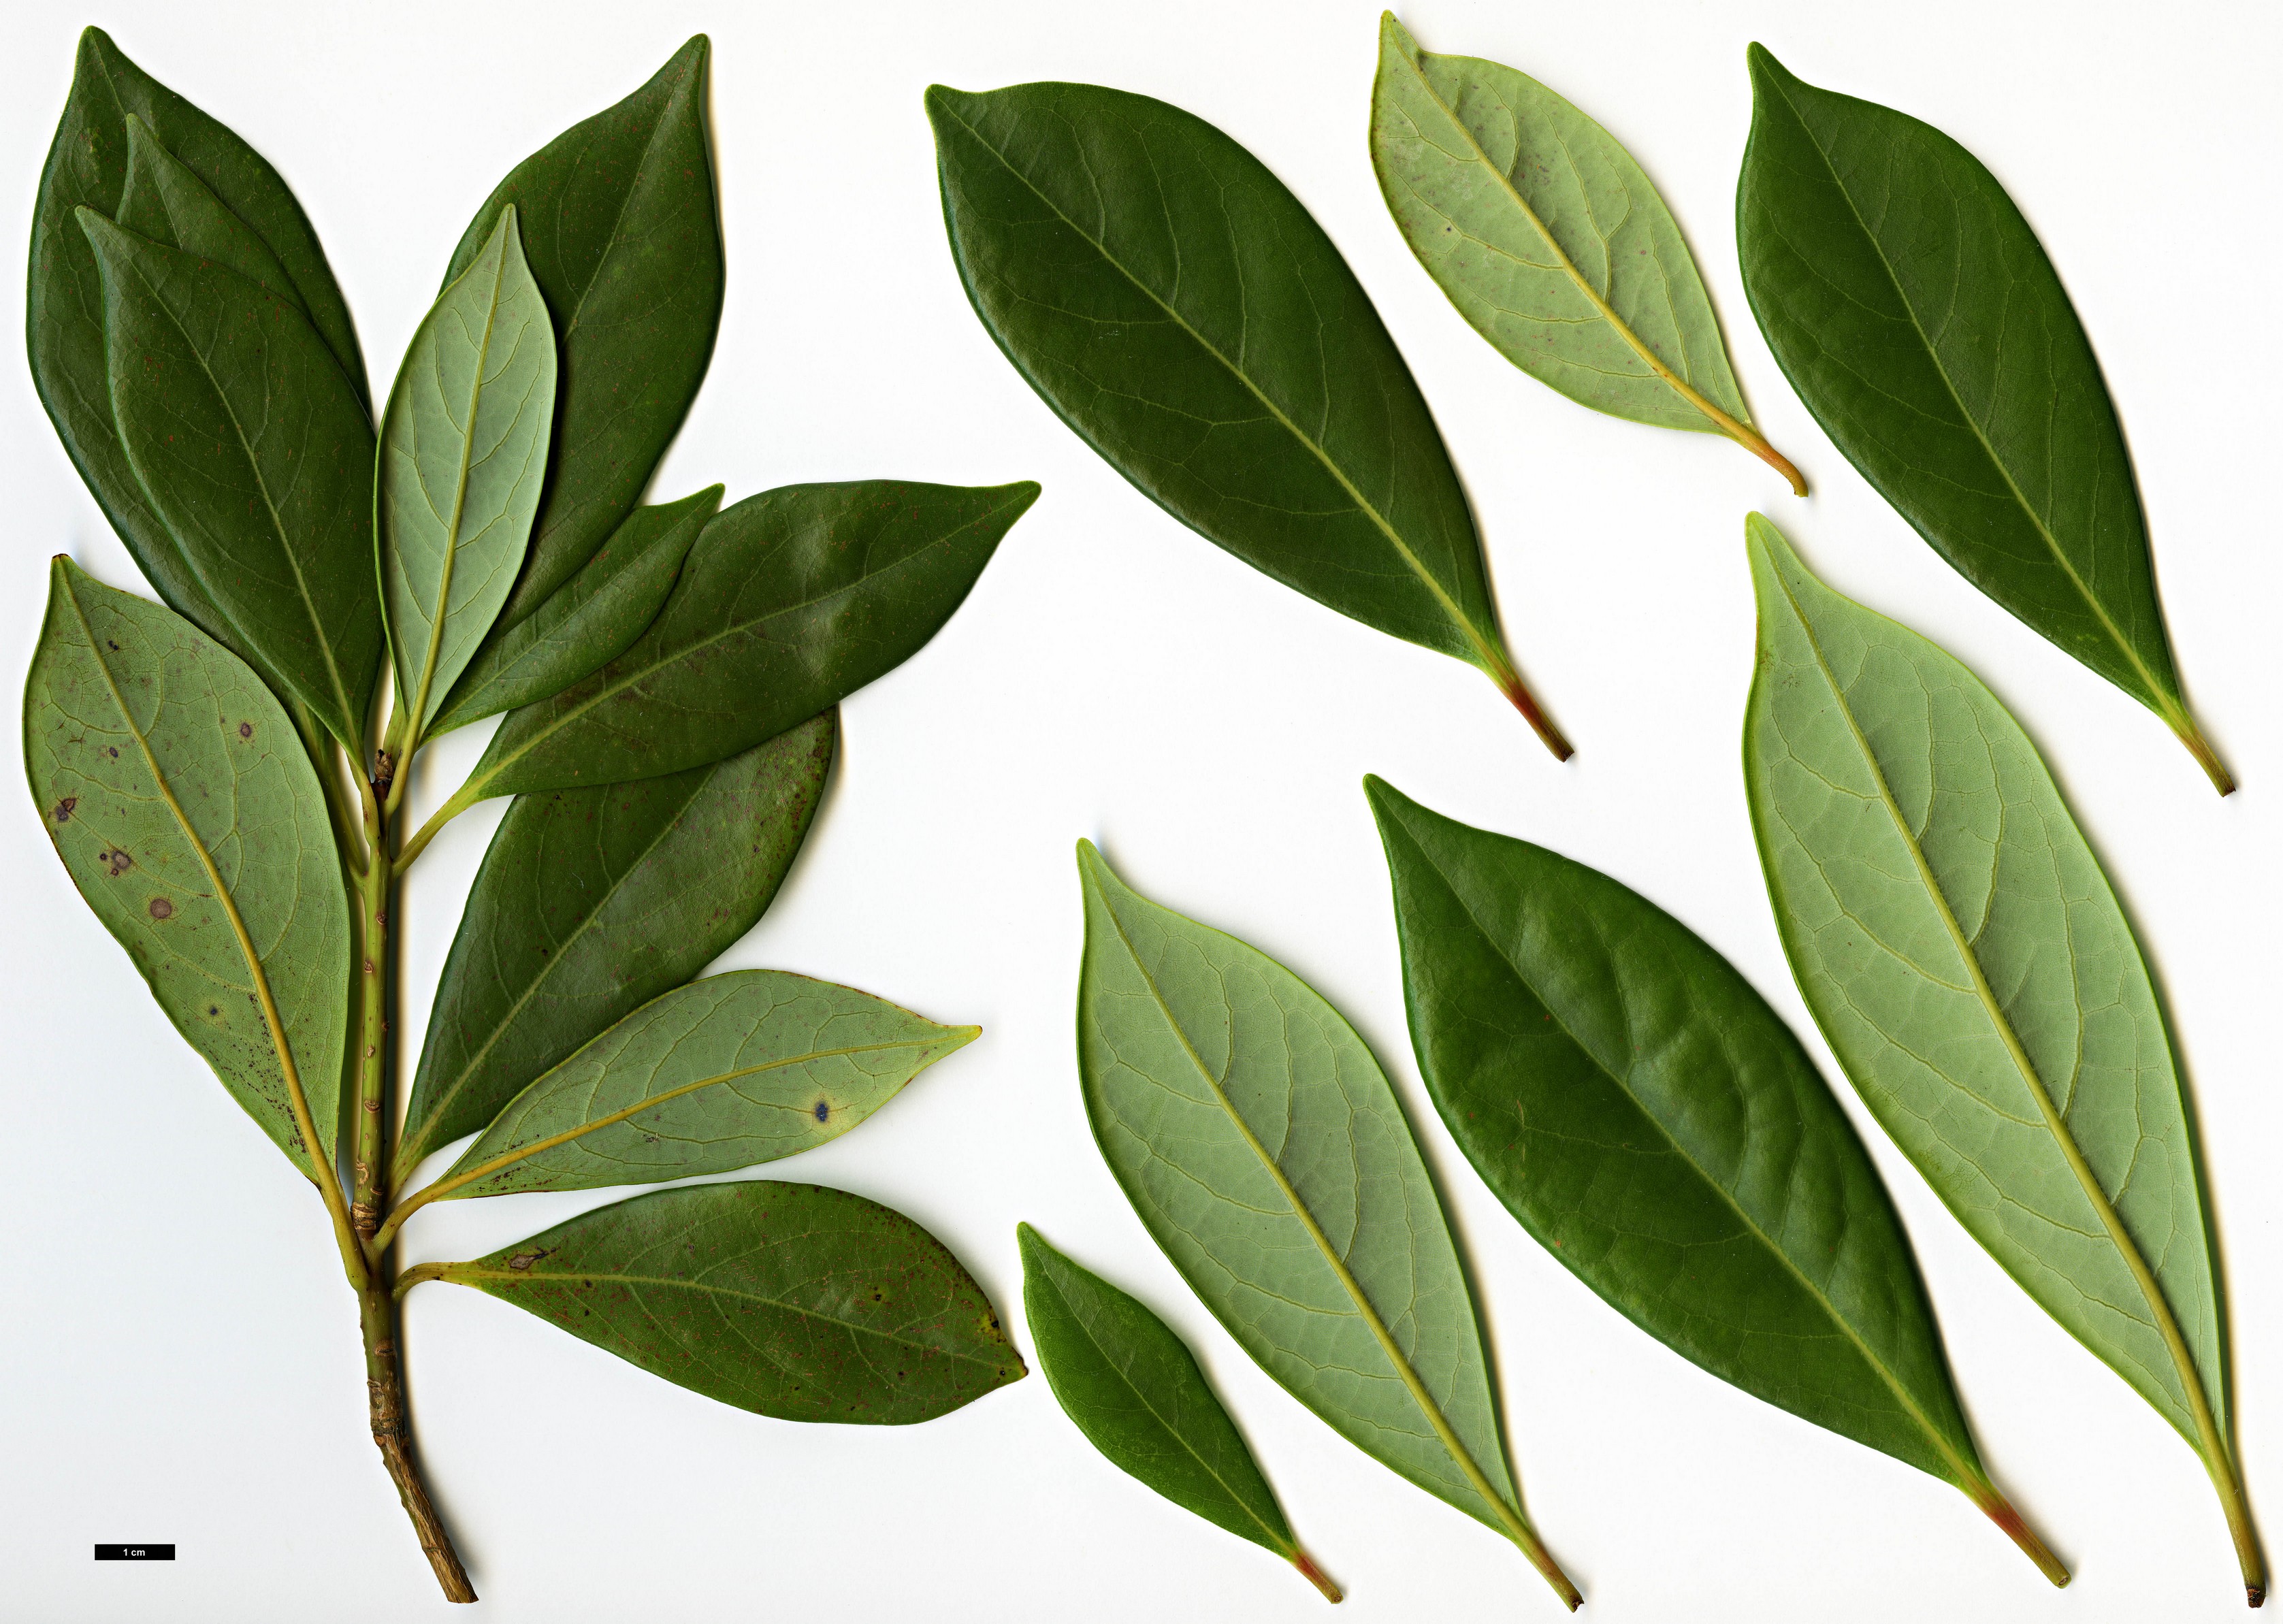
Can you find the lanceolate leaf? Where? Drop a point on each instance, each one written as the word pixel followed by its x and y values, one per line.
pixel 591 620
pixel 592 902
pixel 180 798
pixel 1263 1147
pixel 1181 310
pixel 1551 242
pixel 254 453
pixel 623 236
pixel 1643 1113
pixel 462 447
pixel 1133 1388
pixel 165 200
pixel 786 1300
pixel 1911 306
pixel 1969 965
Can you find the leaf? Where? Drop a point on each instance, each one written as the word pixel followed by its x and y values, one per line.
pixel 1969 965
pixel 254 451
pixel 624 237
pixel 1133 1388
pixel 1181 311
pixel 183 805
pixel 1910 304
pixel 591 620
pixel 790 601
pixel 462 447
pixel 88 165
pixel 723 1074
pixel 1644 1113
pixel 1264 1150
pixel 591 903
pixel 1551 242
pixel 164 200
pixel 787 1300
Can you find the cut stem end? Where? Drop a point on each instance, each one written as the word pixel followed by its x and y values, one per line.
pixel 1511 685
pixel 2207 759
pixel 2000 1511
pixel 1542 1560
pixel 1316 1576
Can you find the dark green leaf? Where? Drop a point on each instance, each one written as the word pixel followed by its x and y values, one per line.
pixel 790 601
pixel 1263 1147
pixel 165 201
pixel 592 902
pixel 1911 306
pixel 1134 1389
pixel 786 1300
pixel 1181 310
pixel 182 804
pixel 622 233
pixel 1645 1115
pixel 255 454
pixel 591 620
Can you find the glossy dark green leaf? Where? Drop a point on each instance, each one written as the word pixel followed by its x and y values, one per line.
pixel 1181 310
pixel 88 165
pixel 1262 1147
pixel 1911 306
pixel 185 809
pixel 591 620
pixel 591 903
pixel 254 453
pixel 1969 965
pixel 164 200
pixel 621 230
pixel 790 601
pixel 1646 1115
pixel 787 1300
pixel 1134 1389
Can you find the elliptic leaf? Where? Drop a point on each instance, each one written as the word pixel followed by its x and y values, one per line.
pixel 1263 1148
pixel 592 902
pixel 1551 242
pixel 1134 1389
pixel 462 448
pixel 787 1300
pixel 624 237
pixel 180 798
pixel 1645 1115
pixel 1181 310
pixel 1911 306
pixel 1969 965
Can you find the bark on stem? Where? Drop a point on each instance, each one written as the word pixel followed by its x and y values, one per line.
pixel 392 1434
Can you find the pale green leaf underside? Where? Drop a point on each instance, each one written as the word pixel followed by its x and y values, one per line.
pixel 1961 948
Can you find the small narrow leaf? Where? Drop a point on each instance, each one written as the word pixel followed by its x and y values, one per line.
pixel 592 902
pixel 723 1074
pixel 1969 963
pixel 1181 311
pixel 1910 304
pixel 462 448
pixel 1551 242
pixel 787 1300
pixel 179 799
pixel 591 620
pixel 1134 1389
pixel 1263 1148
pixel 1644 1113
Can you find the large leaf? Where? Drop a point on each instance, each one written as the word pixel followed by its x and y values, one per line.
pixel 591 620
pixel 1645 1115
pixel 1969 963
pixel 790 601
pixel 1134 1389
pixel 1551 242
pixel 723 1074
pixel 254 453
pixel 88 165
pixel 592 902
pixel 621 231
pixel 1181 310
pixel 1263 1148
pixel 1911 306
pixel 787 1300
pixel 182 802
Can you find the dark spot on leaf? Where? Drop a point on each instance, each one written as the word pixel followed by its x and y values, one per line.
pixel 523 1259
pixel 63 809
pixel 246 730
pixel 114 752
pixel 117 858
pixel 111 646
pixel 214 1009
pixel 160 908
pixel 823 1110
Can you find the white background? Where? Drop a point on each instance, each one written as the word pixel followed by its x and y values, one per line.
pixel 179 1359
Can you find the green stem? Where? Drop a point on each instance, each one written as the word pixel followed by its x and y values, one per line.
pixel 460 802
pixel 1315 1575
pixel 2000 1511
pixel 2184 727
pixel 1510 683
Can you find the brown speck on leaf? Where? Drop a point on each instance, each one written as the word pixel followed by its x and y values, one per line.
pixel 63 809
pixel 160 908
pixel 246 730
pixel 523 1259
pixel 118 859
